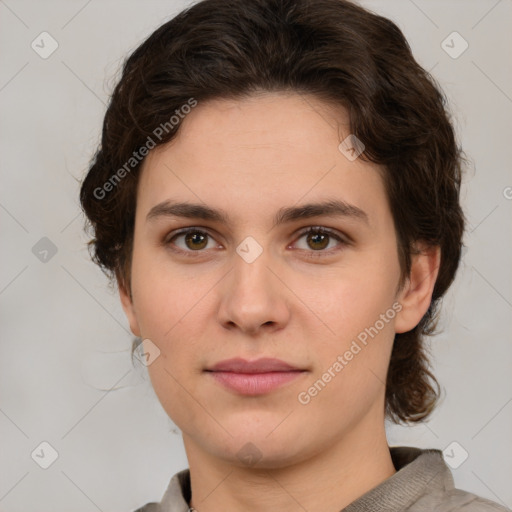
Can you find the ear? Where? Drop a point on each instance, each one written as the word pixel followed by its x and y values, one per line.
pixel 416 294
pixel 127 302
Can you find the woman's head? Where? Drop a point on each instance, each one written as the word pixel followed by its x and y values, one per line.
pixel 240 107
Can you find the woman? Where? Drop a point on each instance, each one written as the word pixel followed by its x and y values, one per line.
pixel 277 196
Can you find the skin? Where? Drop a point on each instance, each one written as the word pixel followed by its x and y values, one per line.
pixel 295 302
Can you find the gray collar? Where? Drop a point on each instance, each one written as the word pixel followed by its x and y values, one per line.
pixel 419 472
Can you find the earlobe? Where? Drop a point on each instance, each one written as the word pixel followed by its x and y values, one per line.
pixel 127 303
pixel 416 295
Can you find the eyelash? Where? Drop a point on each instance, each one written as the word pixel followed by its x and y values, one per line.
pixel 318 230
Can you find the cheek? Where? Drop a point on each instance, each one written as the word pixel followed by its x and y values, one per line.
pixel 163 295
pixel 354 310
pixel 348 299
pixel 352 360
pixel 173 309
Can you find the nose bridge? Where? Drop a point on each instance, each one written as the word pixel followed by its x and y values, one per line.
pixel 250 270
pixel 251 277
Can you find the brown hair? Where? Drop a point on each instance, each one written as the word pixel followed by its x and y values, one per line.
pixel 334 50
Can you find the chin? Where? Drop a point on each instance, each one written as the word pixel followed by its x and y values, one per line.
pixel 258 450
pixel 258 456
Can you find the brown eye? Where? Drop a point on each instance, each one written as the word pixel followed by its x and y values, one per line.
pixel 196 240
pixel 320 240
pixel 317 241
pixel 190 241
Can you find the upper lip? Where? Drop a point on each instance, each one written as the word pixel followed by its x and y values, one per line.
pixel 263 365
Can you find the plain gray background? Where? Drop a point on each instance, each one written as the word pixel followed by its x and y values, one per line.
pixel 66 376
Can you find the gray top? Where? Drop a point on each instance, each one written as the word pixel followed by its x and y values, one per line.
pixel 423 483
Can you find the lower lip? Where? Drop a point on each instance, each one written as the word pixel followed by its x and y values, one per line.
pixel 254 383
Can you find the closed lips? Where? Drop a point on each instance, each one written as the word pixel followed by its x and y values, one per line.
pixel 263 365
pixel 253 378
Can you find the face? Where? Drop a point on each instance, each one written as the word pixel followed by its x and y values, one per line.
pixel 290 253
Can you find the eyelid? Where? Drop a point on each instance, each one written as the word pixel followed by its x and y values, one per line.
pixel 340 237
pixel 184 231
pixel 329 231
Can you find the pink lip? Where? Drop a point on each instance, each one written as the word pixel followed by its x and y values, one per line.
pixel 254 377
pixel 263 365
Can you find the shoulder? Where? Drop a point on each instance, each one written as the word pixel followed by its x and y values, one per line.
pixel 455 500
pixel 176 496
pixel 425 478
pixel 149 507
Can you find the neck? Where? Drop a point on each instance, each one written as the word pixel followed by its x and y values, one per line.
pixel 329 480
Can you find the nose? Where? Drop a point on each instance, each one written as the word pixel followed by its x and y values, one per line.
pixel 253 298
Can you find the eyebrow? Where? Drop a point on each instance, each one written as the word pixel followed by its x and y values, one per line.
pixel 333 208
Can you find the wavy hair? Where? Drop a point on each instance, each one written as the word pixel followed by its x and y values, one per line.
pixel 342 54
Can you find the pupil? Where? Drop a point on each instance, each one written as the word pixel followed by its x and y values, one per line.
pixel 319 238
pixel 196 240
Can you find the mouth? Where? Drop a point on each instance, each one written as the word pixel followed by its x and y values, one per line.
pixel 254 377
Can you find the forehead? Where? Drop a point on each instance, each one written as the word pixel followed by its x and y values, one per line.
pixel 275 125
pixel 257 154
